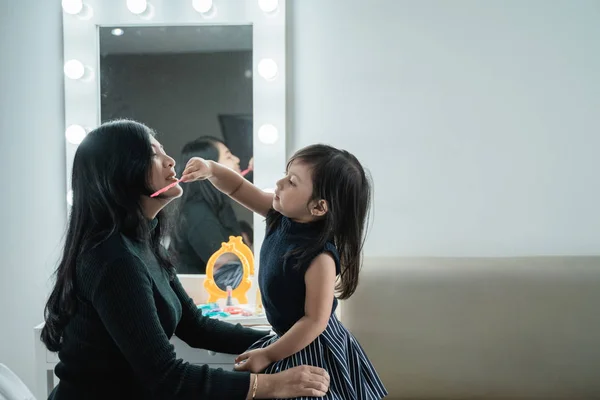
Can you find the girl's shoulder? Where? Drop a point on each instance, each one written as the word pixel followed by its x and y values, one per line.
pixel 332 250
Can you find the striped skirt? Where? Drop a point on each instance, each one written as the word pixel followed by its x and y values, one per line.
pixel 353 377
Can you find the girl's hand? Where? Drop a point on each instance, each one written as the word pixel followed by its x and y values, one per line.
pixel 255 361
pixel 196 169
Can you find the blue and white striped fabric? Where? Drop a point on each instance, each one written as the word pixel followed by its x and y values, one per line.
pixel 353 377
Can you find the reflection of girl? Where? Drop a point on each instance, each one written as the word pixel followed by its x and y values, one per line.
pixel 205 217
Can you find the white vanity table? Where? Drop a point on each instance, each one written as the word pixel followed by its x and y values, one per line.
pixel 45 360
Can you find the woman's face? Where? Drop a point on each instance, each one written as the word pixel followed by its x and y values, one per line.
pixel 227 159
pixel 162 172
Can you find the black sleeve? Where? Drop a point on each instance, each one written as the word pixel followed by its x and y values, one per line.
pixel 207 333
pixel 123 298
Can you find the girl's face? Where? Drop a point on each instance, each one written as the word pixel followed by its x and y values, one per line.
pixel 294 192
pixel 227 159
pixel 162 172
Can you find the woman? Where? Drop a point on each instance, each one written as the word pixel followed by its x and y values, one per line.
pixel 204 215
pixel 117 301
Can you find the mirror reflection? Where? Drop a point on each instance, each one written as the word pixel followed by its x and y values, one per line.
pixel 228 271
pixel 193 86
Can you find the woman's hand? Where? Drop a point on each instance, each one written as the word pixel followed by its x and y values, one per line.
pixel 254 361
pixel 302 381
pixel 196 169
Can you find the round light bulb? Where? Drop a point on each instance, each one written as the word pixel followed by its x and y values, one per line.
pixel 117 32
pixel 74 69
pixel 267 68
pixel 70 197
pixel 268 134
pixel 137 6
pixel 75 134
pixel 72 7
pixel 268 6
pixel 202 6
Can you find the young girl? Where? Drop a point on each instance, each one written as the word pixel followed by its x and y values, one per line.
pixel 315 232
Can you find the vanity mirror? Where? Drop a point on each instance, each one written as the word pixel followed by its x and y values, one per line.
pixel 230 267
pixel 187 69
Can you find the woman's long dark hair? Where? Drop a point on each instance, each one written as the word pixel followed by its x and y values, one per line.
pixel 204 147
pixel 340 180
pixel 111 170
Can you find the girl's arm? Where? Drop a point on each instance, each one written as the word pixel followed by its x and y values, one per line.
pixel 229 182
pixel 320 287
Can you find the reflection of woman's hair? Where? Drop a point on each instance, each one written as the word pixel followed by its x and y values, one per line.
pixel 247 229
pixel 206 148
pixel 110 173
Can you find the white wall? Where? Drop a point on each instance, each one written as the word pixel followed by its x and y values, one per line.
pixel 479 120
pixel 32 144
pixel 489 108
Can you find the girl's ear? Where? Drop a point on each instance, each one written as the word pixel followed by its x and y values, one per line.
pixel 319 208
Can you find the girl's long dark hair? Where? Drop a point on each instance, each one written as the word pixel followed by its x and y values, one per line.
pixel 204 147
pixel 111 171
pixel 340 180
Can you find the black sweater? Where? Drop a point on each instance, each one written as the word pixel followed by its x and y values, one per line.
pixel 116 345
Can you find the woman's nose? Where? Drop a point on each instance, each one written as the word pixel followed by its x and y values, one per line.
pixel 170 162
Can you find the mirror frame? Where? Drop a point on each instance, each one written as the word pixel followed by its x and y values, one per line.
pixel 82 96
pixel 236 246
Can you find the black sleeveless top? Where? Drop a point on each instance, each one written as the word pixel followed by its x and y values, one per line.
pixel 281 279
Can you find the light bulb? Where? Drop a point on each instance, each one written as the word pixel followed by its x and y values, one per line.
pixel 70 197
pixel 117 32
pixel 268 6
pixel 72 7
pixel 202 6
pixel 267 68
pixel 268 134
pixel 74 69
pixel 137 6
pixel 75 134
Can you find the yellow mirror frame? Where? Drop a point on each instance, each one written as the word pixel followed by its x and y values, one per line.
pixel 236 246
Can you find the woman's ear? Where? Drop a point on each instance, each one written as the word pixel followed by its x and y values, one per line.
pixel 319 208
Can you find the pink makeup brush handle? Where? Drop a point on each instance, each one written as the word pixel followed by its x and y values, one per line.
pixel 161 191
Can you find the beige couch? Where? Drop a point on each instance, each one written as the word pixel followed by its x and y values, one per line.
pixel 501 328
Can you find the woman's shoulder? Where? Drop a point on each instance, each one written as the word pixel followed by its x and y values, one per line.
pixel 115 245
pixel 96 261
